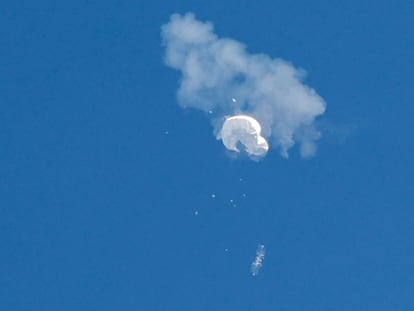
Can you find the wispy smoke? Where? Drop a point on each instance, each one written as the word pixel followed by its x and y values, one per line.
pixel 258 261
pixel 221 78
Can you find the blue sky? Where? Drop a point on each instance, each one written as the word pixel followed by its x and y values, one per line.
pixel 97 202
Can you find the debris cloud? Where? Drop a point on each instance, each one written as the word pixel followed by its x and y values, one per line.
pixel 221 78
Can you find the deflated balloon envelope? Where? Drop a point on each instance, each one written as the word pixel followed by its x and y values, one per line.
pixel 245 130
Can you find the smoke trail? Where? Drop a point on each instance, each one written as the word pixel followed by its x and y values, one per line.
pixel 221 78
pixel 258 261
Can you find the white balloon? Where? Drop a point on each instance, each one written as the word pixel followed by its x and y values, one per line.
pixel 245 130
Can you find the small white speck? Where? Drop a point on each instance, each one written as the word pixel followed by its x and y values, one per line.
pixel 196 213
pixel 226 249
pixel 241 179
pixel 231 201
pixel 213 195
pixel 210 111
pixel 244 195
pixel 234 100
pixel 166 132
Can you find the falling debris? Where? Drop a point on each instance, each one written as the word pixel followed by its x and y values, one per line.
pixel 258 261
pixel 213 195
pixel 233 100
pixel 196 213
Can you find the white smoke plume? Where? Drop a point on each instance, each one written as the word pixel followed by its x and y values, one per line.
pixel 221 78
pixel 258 261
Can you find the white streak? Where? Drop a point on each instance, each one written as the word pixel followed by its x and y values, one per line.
pixel 258 261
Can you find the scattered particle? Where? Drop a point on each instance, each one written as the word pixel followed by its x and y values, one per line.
pixel 213 195
pixel 226 249
pixel 166 133
pixel 244 195
pixel 196 213
pixel 233 100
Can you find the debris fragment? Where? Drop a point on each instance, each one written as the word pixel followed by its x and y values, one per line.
pixel 258 261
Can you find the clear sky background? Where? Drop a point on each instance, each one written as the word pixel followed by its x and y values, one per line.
pixel 98 204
